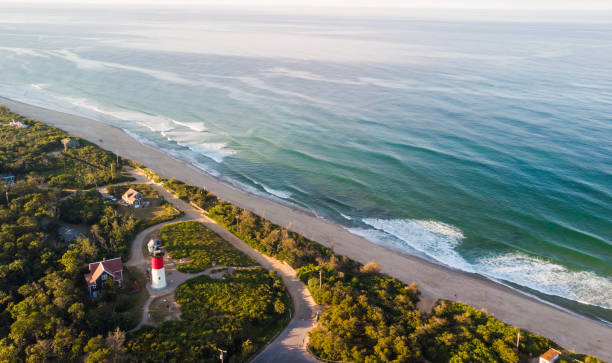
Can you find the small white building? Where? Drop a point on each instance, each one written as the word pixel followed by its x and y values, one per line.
pixel 153 244
pixel 133 198
pixel 16 122
pixel 550 356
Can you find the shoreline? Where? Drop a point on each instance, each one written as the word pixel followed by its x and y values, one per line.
pixel 571 330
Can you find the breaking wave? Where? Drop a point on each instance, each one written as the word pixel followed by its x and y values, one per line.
pixel 202 143
pixel 276 192
pixel 436 240
pixel 439 241
pixel 195 126
pixel 548 277
pixel 348 218
pixel 283 194
pixel 192 135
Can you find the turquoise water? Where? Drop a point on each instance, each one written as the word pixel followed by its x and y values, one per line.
pixel 483 146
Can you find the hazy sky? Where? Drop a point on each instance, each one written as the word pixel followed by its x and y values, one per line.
pixel 464 4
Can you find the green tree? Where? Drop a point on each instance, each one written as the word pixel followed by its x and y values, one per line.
pixel 97 351
pixel 8 352
pixel 279 307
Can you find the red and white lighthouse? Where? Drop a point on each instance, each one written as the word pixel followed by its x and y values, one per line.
pixel 158 273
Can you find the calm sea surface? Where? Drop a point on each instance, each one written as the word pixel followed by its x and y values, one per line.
pixel 483 146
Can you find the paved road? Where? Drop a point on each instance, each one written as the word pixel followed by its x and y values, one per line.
pixel 290 345
pixel 435 281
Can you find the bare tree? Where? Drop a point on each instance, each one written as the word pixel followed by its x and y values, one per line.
pixel 97 236
pixel 115 341
pixel 371 267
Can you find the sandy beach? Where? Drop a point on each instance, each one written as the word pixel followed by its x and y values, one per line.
pixel 573 332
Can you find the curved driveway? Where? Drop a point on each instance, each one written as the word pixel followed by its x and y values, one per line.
pixel 290 344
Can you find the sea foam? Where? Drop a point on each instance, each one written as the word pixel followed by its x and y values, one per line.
pixel 439 241
pixel 195 126
pixel 191 135
pixel 548 277
pixel 283 194
pixel 216 151
pixel 276 192
pixel 435 239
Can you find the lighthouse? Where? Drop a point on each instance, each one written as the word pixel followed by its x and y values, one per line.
pixel 158 273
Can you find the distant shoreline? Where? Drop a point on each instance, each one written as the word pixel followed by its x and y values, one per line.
pixel 435 281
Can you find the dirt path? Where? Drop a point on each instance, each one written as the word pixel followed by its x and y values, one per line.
pixel 435 281
pixel 291 344
pixel 139 262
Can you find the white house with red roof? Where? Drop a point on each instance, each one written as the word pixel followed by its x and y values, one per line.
pixel 101 271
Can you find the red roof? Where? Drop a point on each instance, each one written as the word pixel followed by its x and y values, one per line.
pixel 113 267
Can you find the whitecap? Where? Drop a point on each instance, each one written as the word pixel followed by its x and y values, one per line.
pixel 203 143
pixel 191 159
pixel 154 123
pixel 382 238
pixel 138 138
pixel 438 241
pixel 283 194
pixel 435 239
pixel 346 217
pixel 216 151
pixel 195 126
pixel 277 192
pixel 548 277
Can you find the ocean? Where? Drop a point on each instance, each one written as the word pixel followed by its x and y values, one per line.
pixel 482 145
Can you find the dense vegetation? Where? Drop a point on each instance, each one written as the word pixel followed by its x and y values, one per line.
pixel 83 207
pixel 202 247
pixel 371 317
pixel 45 311
pixel 374 318
pixel 46 314
pixel 238 314
pixel 38 149
pixel 197 196
pixel 159 211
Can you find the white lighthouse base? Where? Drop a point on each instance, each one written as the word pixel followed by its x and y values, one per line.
pixel 158 279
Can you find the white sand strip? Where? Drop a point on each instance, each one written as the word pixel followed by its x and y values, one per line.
pixel 570 330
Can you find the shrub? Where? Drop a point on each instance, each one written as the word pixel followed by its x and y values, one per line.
pixel 201 245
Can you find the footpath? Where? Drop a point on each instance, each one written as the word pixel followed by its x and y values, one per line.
pixel 290 345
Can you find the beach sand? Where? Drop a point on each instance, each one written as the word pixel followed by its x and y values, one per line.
pixel 573 332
